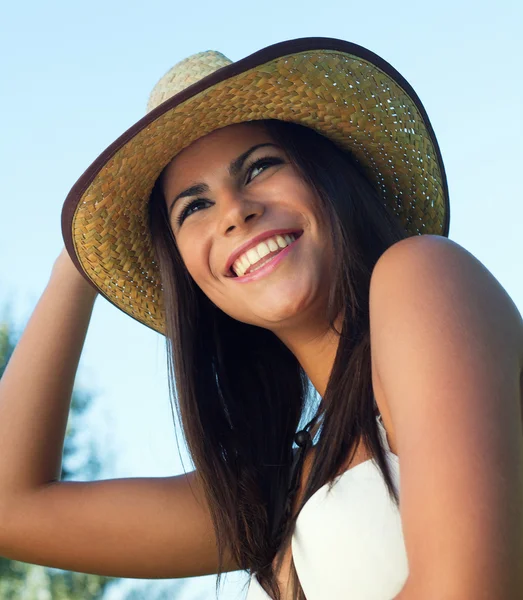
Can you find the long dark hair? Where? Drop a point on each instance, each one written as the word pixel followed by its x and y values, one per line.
pixel 241 393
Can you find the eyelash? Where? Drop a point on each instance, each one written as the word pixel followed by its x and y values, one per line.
pixel 267 160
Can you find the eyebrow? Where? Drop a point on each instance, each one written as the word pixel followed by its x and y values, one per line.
pixel 234 168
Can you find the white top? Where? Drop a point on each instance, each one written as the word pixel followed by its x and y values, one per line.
pixel 348 543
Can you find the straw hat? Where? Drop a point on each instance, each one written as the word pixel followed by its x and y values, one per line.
pixel 340 89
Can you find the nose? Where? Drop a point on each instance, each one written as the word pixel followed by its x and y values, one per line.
pixel 237 209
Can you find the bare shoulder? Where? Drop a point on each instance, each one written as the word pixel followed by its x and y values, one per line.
pixel 436 262
pixel 432 278
pixel 446 344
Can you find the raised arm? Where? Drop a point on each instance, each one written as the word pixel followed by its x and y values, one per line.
pixel 36 388
pixel 135 527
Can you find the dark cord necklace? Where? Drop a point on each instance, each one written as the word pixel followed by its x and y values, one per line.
pixel 304 441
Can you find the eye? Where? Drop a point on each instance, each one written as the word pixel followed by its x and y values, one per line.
pixel 257 167
pixel 260 165
pixel 186 211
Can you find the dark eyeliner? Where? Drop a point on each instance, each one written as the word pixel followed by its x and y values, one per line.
pixel 183 213
pixel 265 160
pixel 269 160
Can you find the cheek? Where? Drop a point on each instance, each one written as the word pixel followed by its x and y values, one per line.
pixel 307 199
pixel 194 266
pixel 196 261
pixel 194 255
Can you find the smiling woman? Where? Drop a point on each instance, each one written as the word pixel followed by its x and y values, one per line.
pixel 282 221
pixel 296 305
pixel 244 205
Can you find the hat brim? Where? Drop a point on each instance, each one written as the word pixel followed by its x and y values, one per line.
pixel 338 88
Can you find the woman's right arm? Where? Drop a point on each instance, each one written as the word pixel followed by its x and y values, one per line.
pixel 135 527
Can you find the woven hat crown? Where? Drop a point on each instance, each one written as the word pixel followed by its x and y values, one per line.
pixel 184 73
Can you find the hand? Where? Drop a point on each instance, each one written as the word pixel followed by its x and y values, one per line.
pixel 64 264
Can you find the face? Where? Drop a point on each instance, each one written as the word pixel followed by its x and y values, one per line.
pixel 227 193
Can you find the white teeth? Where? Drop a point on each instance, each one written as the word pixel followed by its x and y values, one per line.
pixel 281 242
pixel 263 249
pixel 272 245
pixel 254 255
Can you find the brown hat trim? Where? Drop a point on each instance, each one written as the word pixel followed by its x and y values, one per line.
pixel 258 58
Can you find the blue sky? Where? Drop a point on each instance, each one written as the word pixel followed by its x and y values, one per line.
pixel 76 75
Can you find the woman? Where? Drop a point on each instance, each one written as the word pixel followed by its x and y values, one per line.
pixel 282 220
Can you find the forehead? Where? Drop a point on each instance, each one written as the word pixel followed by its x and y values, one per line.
pixel 215 148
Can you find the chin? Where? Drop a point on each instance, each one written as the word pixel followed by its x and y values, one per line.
pixel 281 308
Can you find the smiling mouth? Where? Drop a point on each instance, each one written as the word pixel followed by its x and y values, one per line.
pixel 260 255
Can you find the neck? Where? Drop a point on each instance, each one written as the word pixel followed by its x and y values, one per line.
pixel 315 348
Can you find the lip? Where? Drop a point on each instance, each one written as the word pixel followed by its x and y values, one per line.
pixel 253 242
pixel 268 266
